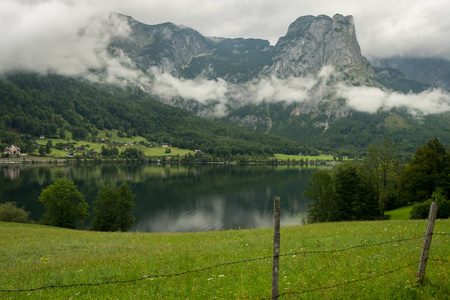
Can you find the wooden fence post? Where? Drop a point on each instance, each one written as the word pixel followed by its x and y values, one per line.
pixel 276 247
pixel 427 241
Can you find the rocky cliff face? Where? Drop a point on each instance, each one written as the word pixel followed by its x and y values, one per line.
pixel 310 44
pixel 165 46
pixel 314 42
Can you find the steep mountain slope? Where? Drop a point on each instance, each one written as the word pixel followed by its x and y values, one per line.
pixel 35 105
pixel 312 43
pixel 433 71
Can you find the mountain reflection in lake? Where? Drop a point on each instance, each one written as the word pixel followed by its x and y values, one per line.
pixel 175 198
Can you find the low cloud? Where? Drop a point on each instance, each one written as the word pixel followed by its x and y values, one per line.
pixel 371 99
pixel 220 92
pixel 63 37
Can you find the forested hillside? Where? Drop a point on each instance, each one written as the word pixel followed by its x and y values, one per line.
pixel 32 105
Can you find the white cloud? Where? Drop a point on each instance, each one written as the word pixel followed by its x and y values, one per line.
pixel 371 99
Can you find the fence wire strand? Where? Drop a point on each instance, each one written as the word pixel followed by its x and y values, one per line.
pixel 202 269
pixel 346 282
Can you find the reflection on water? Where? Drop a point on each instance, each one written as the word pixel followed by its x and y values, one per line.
pixel 175 198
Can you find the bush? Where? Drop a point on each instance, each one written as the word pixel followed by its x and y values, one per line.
pixel 421 210
pixel 9 212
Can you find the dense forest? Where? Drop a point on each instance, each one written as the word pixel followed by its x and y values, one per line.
pixel 32 105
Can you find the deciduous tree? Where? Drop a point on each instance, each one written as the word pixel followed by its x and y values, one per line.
pixel 65 205
pixel 112 209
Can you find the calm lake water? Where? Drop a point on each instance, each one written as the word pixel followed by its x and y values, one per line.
pixel 175 198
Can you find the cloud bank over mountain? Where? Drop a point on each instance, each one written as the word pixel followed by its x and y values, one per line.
pixel 72 38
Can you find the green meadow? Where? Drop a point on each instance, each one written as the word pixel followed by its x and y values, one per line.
pixel 35 256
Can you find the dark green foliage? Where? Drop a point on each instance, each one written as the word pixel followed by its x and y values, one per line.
pixel 9 212
pixel 427 170
pixel 42 150
pixel 320 191
pixel 48 147
pixel 38 105
pixel 382 166
pixel 110 151
pixel 344 195
pixel 112 209
pixel 132 153
pixel 65 205
pixel 421 210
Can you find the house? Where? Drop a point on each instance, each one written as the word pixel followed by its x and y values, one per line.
pixel 165 144
pixel 81 148
pixel 42 137
pixel 69 154
pixel 13 150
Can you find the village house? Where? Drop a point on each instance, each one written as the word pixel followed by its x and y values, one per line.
pixel 13 150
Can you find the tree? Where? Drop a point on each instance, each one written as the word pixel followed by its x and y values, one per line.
pixel 112 209
pixel 427 170
pixel 320 191
pixel 48 146
pixel 344 195
pixel 383 167
pixel 65 205
pixel 41 150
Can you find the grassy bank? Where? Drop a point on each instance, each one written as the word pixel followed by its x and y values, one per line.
pixel 33 256
pixel 402 213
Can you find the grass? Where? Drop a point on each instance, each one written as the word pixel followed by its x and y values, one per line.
pixel 33 256
pixel 149 152
pixel 402 213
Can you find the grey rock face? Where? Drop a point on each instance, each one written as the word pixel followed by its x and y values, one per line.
pixel 165 46
pixel 313 42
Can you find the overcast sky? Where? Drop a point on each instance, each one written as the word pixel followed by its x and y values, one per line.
pixel 384 27
pixel 70 37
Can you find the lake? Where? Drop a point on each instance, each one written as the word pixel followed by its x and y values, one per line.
pixel 175 198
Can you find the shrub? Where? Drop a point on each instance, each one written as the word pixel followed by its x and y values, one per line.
pixel 9 212
pixel 421 210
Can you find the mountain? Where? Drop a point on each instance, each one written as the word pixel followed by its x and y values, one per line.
pixel 312 43
pixel 433 71
pixel 166 46
pixel 313 87
pixel 34 105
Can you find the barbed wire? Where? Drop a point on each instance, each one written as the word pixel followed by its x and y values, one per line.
pixel 201 269
pixel 345 283
pixel 350 248
pixel 439 260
